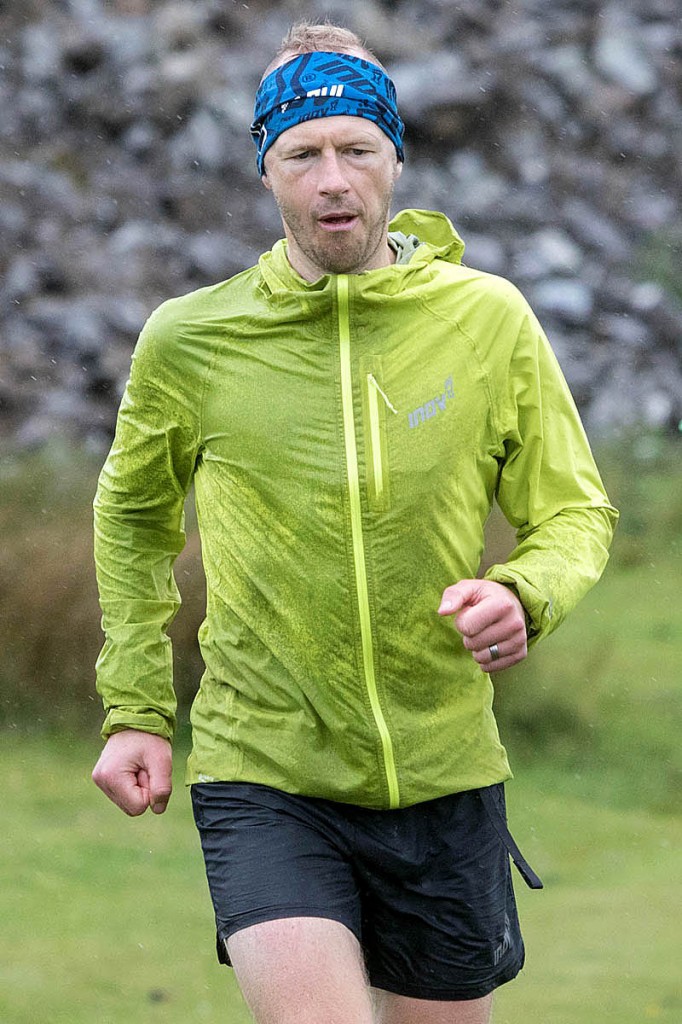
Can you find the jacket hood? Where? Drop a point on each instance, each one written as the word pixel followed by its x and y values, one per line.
pixel 431 235
pixel 432 229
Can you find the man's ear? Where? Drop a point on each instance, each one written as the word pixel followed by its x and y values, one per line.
pixel 266 181
pixel 398 169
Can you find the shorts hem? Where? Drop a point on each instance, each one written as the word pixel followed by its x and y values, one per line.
pixel 223 934
pixel 463 992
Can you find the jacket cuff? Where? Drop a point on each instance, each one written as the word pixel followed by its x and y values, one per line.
pixel 537 609
pixel 143 719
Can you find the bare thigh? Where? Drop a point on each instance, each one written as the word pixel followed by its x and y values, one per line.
pixel 392 1009
pixel 301 970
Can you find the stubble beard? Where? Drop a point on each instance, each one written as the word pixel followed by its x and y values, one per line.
pixel 337 252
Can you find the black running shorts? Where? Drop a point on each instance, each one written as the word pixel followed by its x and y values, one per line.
pixel 426 890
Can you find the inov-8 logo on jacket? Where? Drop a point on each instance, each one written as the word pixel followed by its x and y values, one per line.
pixel 429 409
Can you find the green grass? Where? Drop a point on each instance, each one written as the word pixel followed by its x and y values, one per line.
pixel 603 937
pixel 107 920
pixel 599 703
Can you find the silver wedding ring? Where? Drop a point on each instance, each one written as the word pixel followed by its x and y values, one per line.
pixel 494 652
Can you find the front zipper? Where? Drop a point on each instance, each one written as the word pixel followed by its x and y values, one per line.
pixel 358 544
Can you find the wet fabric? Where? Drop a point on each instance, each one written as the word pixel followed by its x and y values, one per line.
pixel 237 390
pixel 426 890
pixel 322 84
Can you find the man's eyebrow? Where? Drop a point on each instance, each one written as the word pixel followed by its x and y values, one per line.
pixel 364 140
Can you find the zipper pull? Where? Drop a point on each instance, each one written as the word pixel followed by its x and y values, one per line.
pixel 372 380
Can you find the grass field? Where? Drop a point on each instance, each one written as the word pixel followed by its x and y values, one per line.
pixel 106 920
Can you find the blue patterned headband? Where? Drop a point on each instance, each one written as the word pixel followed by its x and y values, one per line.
pixel 321 84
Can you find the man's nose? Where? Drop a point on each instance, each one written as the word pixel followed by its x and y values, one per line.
pixel 332 179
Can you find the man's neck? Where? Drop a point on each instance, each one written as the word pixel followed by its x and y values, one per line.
pixel 385 256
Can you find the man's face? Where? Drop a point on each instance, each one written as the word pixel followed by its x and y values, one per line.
pixel 333 179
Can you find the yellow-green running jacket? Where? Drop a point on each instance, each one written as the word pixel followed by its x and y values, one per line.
pixel 346 439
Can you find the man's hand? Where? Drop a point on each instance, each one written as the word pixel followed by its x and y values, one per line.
pixel 486 613
pixel 134 770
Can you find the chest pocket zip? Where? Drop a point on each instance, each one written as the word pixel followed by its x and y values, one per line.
pixel 376 404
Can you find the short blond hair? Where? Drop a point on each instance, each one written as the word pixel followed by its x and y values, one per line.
pixel 309 37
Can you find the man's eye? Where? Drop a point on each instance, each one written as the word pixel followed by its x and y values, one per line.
pixel 358 152
pixel 303 155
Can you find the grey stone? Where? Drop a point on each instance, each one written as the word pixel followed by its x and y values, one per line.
pixel 646 296
pixel 13 219
pixel 232 107
pixel 617 406
pixel 650 207
pixel 485 253
pixel 128 39
pixel 542 98
pixel 202 143
pixel 179 26
pixel 658 407
pixel 217 255
pixel 625 330
pixel 71 324
pixel 41 57
pixel 590 226
pixel 39 113
pixel 524 150
pixel 104 212
pixel 477 190
pixel 445 80
pixel 35 432
pixel 582 366
pixel 545 253
pixel 619 55
pixel 22 279
pixel 568 299
pixel 124 314
pixel 666 321
pixel 141 139
pixel 141 236
pixel 665 374
pixel 569 66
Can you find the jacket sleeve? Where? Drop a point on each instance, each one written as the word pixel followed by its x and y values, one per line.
pixel 548 487
pixel 139 509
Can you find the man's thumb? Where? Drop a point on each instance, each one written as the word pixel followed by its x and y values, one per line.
pixel 457 596
pixel 160 788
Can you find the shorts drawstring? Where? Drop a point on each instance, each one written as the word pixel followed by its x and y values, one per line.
pixel 499 823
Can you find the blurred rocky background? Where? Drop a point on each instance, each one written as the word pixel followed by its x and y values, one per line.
pixel 550 133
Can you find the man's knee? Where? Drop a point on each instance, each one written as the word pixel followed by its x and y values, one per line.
pixel 393 1009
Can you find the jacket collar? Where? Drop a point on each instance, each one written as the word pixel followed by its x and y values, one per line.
pixel 428 234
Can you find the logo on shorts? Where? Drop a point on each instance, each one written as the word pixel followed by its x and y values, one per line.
pixel 506 943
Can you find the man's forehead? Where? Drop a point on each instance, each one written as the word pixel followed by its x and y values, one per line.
pixel 344 127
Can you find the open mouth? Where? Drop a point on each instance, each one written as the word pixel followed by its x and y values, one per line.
pixel 337 221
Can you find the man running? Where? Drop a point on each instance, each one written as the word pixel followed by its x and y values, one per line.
pixel 347 410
